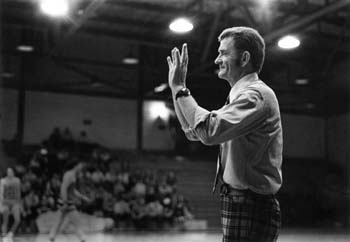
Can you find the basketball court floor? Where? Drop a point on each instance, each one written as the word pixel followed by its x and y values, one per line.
pixel 286 236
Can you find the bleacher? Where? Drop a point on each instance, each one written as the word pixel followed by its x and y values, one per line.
pixel 195 180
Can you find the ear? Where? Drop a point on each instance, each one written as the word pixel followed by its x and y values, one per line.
pixel 245 58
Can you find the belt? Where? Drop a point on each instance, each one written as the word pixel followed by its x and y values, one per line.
pixel 226 189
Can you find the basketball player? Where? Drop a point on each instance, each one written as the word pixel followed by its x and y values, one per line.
pixel 70 195
pixel 10 197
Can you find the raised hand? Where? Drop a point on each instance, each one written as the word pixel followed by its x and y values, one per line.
pixel 178 67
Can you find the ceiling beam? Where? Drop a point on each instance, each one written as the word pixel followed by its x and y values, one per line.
pixel 17 5
pixel 165 8
pixel 107 64
pixel 307 20
pixel 91 93
pixel 117 20
pixel 92 62
pixel 78 22
pixel 91 76
pixel 161 8
pixel 193 4
pixel 211 36
pixel 250 18
pixel 70 84
pixel 126 37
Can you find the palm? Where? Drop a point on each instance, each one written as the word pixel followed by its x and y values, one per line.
pixel 178 67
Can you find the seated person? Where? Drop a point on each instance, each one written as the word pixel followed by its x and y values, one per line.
pixel 182 210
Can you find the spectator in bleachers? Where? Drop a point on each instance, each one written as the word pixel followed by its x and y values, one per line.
pixel 168 210
pixel 67 137
pixel 20 170
pixel 114 189
pixel 154 209
pixel 55 138
pixel 165 189
pixel 121 208
pixel 182 211
pixel 124 178
pixel 26 186
pixel 139 190
pixel 138 212
pixel 171 178
pixel 55 184
pixel 97 176
pixel 108 203
pixel 62 156
pixel 110 176
pixel 151 193
pixel 118 189
pixel 30 177
pixel 31 205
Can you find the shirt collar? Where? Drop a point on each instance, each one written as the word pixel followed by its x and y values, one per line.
pixel 242 83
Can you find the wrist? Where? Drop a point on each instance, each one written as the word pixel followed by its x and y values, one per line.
pixel 183 92
pixel 176 89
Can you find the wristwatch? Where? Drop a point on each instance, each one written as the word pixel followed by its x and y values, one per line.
pixel 183 92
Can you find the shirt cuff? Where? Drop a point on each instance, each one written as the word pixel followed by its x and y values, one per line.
pixel 193 113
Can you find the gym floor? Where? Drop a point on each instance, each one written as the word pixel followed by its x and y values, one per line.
pixel 301 235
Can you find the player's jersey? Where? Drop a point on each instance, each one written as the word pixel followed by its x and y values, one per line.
pixel 11 190
pixel 70 179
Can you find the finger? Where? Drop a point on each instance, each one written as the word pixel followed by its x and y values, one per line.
pixel 173 56
pixel 185 53
pixel 169 61
pixel 177 57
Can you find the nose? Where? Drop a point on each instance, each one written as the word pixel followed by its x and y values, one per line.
pixel 217 61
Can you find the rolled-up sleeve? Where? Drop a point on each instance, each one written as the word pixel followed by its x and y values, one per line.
pixel 243 115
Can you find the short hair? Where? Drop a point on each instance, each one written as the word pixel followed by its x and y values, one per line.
pixel 247 39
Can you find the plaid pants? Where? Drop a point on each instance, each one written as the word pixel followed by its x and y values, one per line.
pixel 250 217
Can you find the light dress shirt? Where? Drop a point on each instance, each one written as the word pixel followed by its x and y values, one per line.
pixel 249 131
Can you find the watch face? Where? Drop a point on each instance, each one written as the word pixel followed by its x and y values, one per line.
pixel 183 93
pixel 184 90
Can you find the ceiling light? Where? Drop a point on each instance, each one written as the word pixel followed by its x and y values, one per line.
pixel 302 81
pixel 130 60
pixel 289 42
pixel 55 8
pixel 7 75
pixel 310 106
pixel 181 25
pixel 25 48
pixel 96 84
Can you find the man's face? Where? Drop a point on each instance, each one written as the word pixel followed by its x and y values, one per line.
pixel 228 59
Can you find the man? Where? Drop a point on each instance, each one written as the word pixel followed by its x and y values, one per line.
pixel 248 130
pixel 10 197
pixel 70 195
